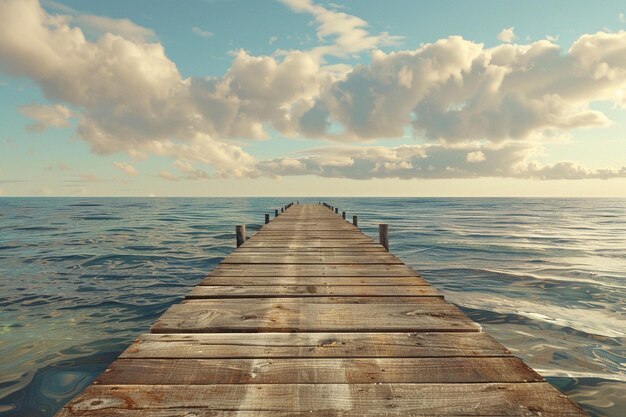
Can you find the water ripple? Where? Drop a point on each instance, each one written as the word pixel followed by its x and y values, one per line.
pixel 81 278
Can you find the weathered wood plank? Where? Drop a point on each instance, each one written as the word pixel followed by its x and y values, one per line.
pixel 303 280
pixel 314 345
pixel 310 243
pixel 313 260
pixel 265 291
pixel 284 315
pixel 347 250
pixel 286 270
pixel 434 303
pixel 317 371
pixel 348 253
pixel 490 399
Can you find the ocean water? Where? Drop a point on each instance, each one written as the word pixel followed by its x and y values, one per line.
pixel 81 278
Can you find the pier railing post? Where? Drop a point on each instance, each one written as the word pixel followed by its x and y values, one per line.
pixel 267 218
pixel 241 234
pixel 336 210
pixel 276 213
pixel 383 232
pixel 343 214
pixel 355 221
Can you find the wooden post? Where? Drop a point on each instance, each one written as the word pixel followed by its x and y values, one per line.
pixel 354 221
pixel 241 234
pixel 282 209
pixel 267 218
pixel 383 233
pixel 336 210
pixel 343 214
pixel 275 213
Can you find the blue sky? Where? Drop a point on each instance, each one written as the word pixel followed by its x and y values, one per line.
pixel 296 97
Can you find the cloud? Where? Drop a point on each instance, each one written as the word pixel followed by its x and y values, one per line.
pixel 166 175
pixel 89 178
pixel 59 166
pixel 97 26
pixel 190 172
pixel 129 97
pixel 476 156
pixel 570 170
pixel 100 25
pixel 348 33
pixel 126 168
pixel 202 33
pixel 46 116
pixel 507 160
pixel 507 35
pixel 456 90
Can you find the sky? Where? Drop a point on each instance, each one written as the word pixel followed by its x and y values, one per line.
pixel 307 98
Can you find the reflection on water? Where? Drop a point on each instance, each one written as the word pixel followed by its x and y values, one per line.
pixel 81 278
pixel 52 386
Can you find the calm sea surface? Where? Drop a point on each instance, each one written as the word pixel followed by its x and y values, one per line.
pixel 81 278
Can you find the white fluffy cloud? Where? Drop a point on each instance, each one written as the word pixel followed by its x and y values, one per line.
pixel 507 35
pixel 456 90
pixel 476 156
pixel 128 96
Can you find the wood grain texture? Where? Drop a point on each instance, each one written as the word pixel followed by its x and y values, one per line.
pixel 317 371
pixel 314 345
pixel 304 280
pixel 313 315
pixel 317 259
pixel 264 291
pixel 315 270
pixel 489 399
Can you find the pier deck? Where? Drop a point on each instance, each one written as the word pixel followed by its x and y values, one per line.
pixel 310 317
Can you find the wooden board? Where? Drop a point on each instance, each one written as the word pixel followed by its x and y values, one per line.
pixel 303 280
pixel 355 400
pixel 265 291
pixel 317 371
pixel 314 345
pixel 315 270
pixel 347 250
pixel 287 315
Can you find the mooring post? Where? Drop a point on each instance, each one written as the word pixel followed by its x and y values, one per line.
pixel 276 213
pixel 282 209
pixel 336 210
pixel 354 221
pixel 241 234
pixel 267 218
pixel 343 214
pixel 383 233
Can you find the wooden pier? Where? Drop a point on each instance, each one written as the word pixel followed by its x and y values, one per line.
pixel 310 317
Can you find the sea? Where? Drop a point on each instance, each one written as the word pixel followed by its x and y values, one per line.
pixel 81 278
